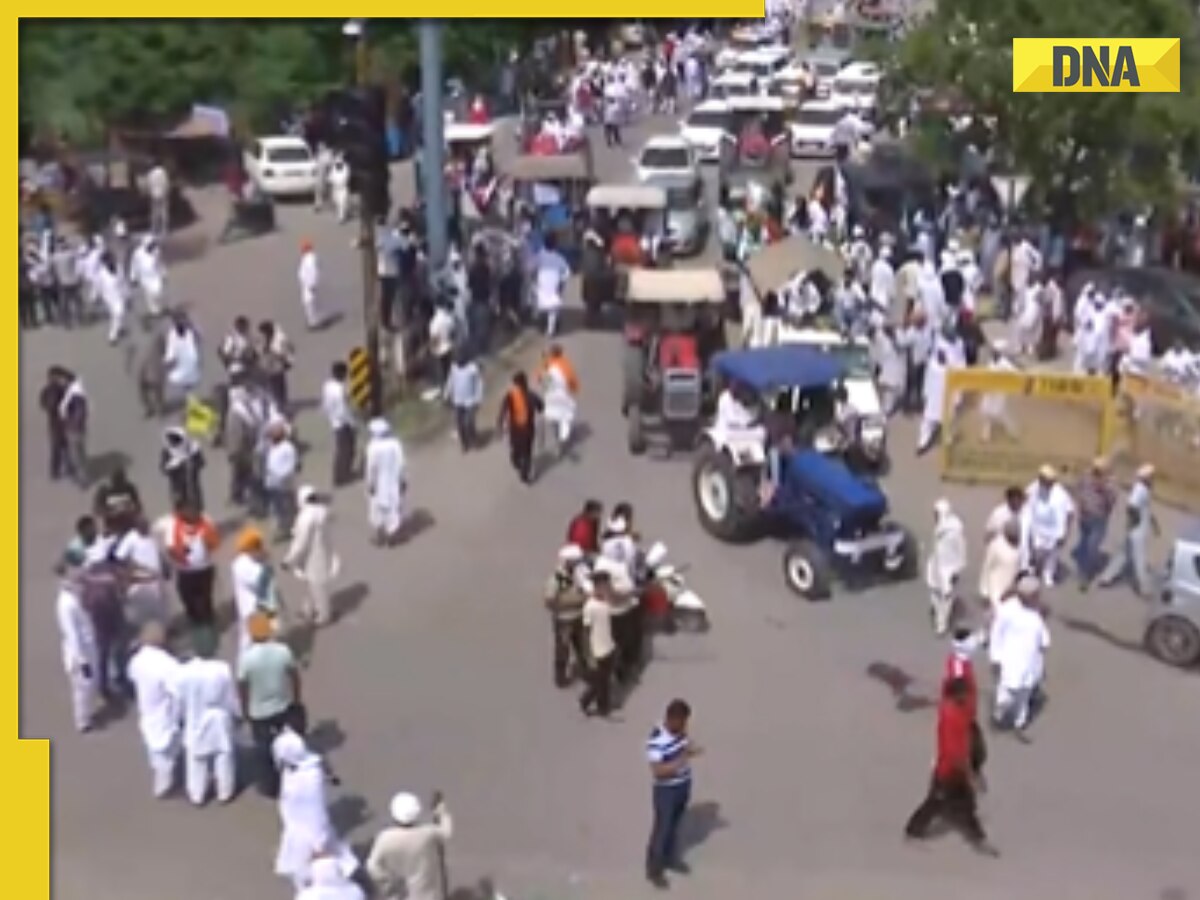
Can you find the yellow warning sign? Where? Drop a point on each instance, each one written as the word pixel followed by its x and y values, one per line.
pixel 199 419
pixel 1000 427
pixel 360 379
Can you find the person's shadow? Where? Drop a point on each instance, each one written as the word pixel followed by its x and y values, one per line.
pixel 699 823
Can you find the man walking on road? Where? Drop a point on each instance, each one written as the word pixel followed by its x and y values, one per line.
pixel 670 753
pixel 464 391
pixel 210 710
pixel 385 475
pixel 312 556
pixel 408 859
pixel 338 411
pixel 518 413
pixel 155 676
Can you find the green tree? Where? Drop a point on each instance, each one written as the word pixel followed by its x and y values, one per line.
pixel 1086 154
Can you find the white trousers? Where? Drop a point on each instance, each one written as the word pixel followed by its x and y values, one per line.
pixel 152 297
pixel 312 315
pixel 201 769
pixel 386 517
pixel 315 604
pixel 1012 706
pixel 941 604
pixel 116 321
pixel 162 767
pixel 927 433
pixel 83 697
pixel 341 202
pixel 561 427
pixel 1044 561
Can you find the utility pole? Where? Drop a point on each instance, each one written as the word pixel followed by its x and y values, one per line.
pixel 433 149
pixel 367 214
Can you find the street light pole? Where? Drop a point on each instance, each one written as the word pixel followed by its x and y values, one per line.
pixel 356 29
pixel 433 149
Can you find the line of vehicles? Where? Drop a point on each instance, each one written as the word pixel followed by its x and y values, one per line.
pixel 812 94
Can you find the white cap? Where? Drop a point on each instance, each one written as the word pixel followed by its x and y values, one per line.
pixel 405 809
pixel 1048 472
pixel 378 427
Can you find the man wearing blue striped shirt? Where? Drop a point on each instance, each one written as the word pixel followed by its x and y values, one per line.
pixel 670 754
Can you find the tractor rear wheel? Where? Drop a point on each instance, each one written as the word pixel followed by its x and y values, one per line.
pixel 633 374
pixel 637 431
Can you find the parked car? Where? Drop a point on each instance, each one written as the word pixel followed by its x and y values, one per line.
pixel 824 64
pixel 707 128
pixel 811 128
pixel 1171 298
pixel 667 155
pixel 856 87
pixel 282 166
pixel 1173 624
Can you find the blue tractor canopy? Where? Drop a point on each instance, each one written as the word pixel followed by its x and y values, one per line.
pixel 855 502
pixel 778 368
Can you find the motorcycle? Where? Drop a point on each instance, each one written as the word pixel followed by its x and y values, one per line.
pixel 669 603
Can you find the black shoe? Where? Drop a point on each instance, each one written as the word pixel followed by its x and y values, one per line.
pixel 659 880
pixel 679 868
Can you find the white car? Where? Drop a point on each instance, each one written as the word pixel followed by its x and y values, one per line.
pixel 281 166
pixel 707 129
pixel 823 69
pixel 764 64
pixel 857 87
pixel 811 129
pixel 669 156
pixel 736 83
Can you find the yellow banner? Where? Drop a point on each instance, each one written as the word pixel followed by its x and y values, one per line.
pixel 1000 427
pixel 1158 423
pixel 1095 65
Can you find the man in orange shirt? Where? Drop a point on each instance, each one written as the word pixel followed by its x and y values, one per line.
pixel 192 540
pixel 560 387
pixel 518 413
pixel 952 790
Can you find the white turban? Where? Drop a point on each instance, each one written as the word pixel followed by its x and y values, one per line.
pixel 289 748
pixel 379 428
pixel 405 809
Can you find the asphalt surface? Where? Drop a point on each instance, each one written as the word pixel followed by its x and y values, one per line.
pixel 437 675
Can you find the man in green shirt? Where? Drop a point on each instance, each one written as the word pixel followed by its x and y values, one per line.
pixel 269 687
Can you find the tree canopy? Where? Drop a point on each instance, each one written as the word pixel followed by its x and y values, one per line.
pixel 1086 154
pixel 78 78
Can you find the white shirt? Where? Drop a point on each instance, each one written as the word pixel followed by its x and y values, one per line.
pixel 155 675
pixel 1141 352
pixel 1046 514
pixel 1139 501
pixel 441 332
pixel 158 183
pixel 1018 642
pixel 308 273
pixel 335 405
pixel 597 619
pixel 140 550
pixel 998 519
pixel 281 464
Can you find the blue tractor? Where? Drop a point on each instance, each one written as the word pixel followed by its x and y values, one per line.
pixel 747 486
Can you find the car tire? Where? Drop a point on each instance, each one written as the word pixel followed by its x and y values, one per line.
pixel 905 564
pixel 807 571
pixel 1175 641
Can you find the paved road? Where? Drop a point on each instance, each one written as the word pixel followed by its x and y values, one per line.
pixel 437 676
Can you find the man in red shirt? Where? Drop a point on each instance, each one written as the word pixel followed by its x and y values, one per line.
pixel 584 530
pixel 959 665
pixel 951 790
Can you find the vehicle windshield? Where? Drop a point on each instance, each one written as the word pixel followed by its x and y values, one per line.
pixel 824 69
pixel 710 119
pixel 665 158
pixel 863 87
pixel 818 117
pixel 288 155
pixel 855 360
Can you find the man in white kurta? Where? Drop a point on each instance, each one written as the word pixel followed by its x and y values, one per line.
pixel 146 271
pixel 181 358
pixel 1018 643
pixel 309 275
pixel 550 278
pixel 304 813
pixel 559 387
pixel 210 711
pixel 154 674
pixel 386 481
pixel 79 652
pixel 994 407
pixel 945 565
pixel 1001 564
pixel 339 188
pixel 111 292
pixel 1046 523
pixel 311 556
pixel 934 394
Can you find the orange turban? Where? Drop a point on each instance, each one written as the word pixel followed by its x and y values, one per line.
pixel 260 627
pixel 249 540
